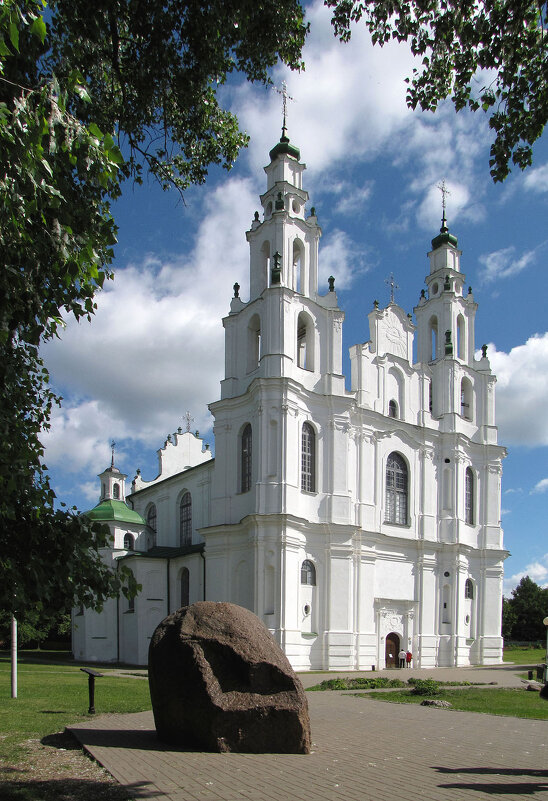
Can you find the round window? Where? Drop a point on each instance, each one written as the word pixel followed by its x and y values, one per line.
pixel 467 619
pixel 306 609
pixel 447 574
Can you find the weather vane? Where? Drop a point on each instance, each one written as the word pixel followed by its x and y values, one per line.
pixel 393 286
pixel 285 98
pixel 189 419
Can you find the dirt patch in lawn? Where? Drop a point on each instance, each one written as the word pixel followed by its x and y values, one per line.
pixel 56 769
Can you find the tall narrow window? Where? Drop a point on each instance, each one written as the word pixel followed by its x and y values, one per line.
pixel 305 342
pixel 308 573
pixel 396 490
pixel 433 339
pixel 129 542
pixel 469 496
pixel 116 491
pixel 430 397
pixel 308 458
pixel 246 455
pixel 469 589
pixel 185 587
pixel 393 409
pixel 466 394
pixel 151 517
pixel 185 520
pixel 253 343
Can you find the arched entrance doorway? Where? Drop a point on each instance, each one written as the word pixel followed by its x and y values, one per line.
pixel 391 650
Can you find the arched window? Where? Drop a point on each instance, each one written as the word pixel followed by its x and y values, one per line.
pixel 434 338
pixel 469 496
pixel 461 337
pixel 151 517
pixel 469 589
pixel 129 542
pixel 466 407
pixel 298 267
pixel 185 587
pixel 396 490
pixel 253 343
pixel 308 573
pixel 116 491
pixel 246 454
pixel 393 409
pixel 185 520
pixel 305 342
pixel 308 458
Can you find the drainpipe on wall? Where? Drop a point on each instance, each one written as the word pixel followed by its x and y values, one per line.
pixel 203 557
pixel 168 587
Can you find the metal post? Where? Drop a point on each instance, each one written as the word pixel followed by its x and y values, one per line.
pixel 13 657
pixel 91 687
pixel 545 621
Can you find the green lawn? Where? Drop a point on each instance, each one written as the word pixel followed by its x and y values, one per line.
pixel 524 656
pixel 504 701
pixel 51 696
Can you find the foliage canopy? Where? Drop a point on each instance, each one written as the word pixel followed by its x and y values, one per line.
pixel 141 75
pixel 490 54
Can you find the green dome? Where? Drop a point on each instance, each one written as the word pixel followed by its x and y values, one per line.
pixel 115 510
pixel 284 146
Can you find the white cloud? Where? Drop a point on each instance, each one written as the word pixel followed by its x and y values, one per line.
pixel 536 179
pixel 341 258
pixel 155 346
pixel 541 486
pixel 522 389
pixel 537 572
pixel 505 263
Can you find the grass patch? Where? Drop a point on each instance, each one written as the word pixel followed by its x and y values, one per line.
pixel 51 696
pixel 383 683
pixel 522 655
pixel 376 683
pixel 508 702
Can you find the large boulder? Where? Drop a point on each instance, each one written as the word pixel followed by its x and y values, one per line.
pixel 218 681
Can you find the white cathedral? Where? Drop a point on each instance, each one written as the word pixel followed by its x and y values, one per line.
pixel 353 522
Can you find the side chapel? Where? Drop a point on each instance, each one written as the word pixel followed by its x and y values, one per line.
pixel 352 522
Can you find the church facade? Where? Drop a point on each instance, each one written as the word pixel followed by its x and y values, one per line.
pixel 353 522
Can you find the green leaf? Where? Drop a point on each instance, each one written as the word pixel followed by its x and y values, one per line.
pixel 95 130
pixel 38 28
pixel 14 35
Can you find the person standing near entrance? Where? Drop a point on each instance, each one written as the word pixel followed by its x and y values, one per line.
pixel 402 656
pixel 408 658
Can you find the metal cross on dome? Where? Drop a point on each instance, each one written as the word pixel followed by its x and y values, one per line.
pixel 189 419
pixel 393 286
pixel 112 447
pixel 285 98
pixel 444 192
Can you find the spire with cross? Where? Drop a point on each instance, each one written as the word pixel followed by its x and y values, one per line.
pixel 285 98
pixel 112 447
pixel 393 286
pixel 444 192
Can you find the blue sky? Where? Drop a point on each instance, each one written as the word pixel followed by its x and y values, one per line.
pixel 155 347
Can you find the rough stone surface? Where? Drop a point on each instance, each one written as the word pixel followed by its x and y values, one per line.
pixel 219 682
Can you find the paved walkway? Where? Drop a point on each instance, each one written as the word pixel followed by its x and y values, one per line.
pixel 362 750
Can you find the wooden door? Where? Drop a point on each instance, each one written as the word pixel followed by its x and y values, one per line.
pixel 392 650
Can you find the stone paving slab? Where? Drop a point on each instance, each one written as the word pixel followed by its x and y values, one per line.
pixel 362 749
